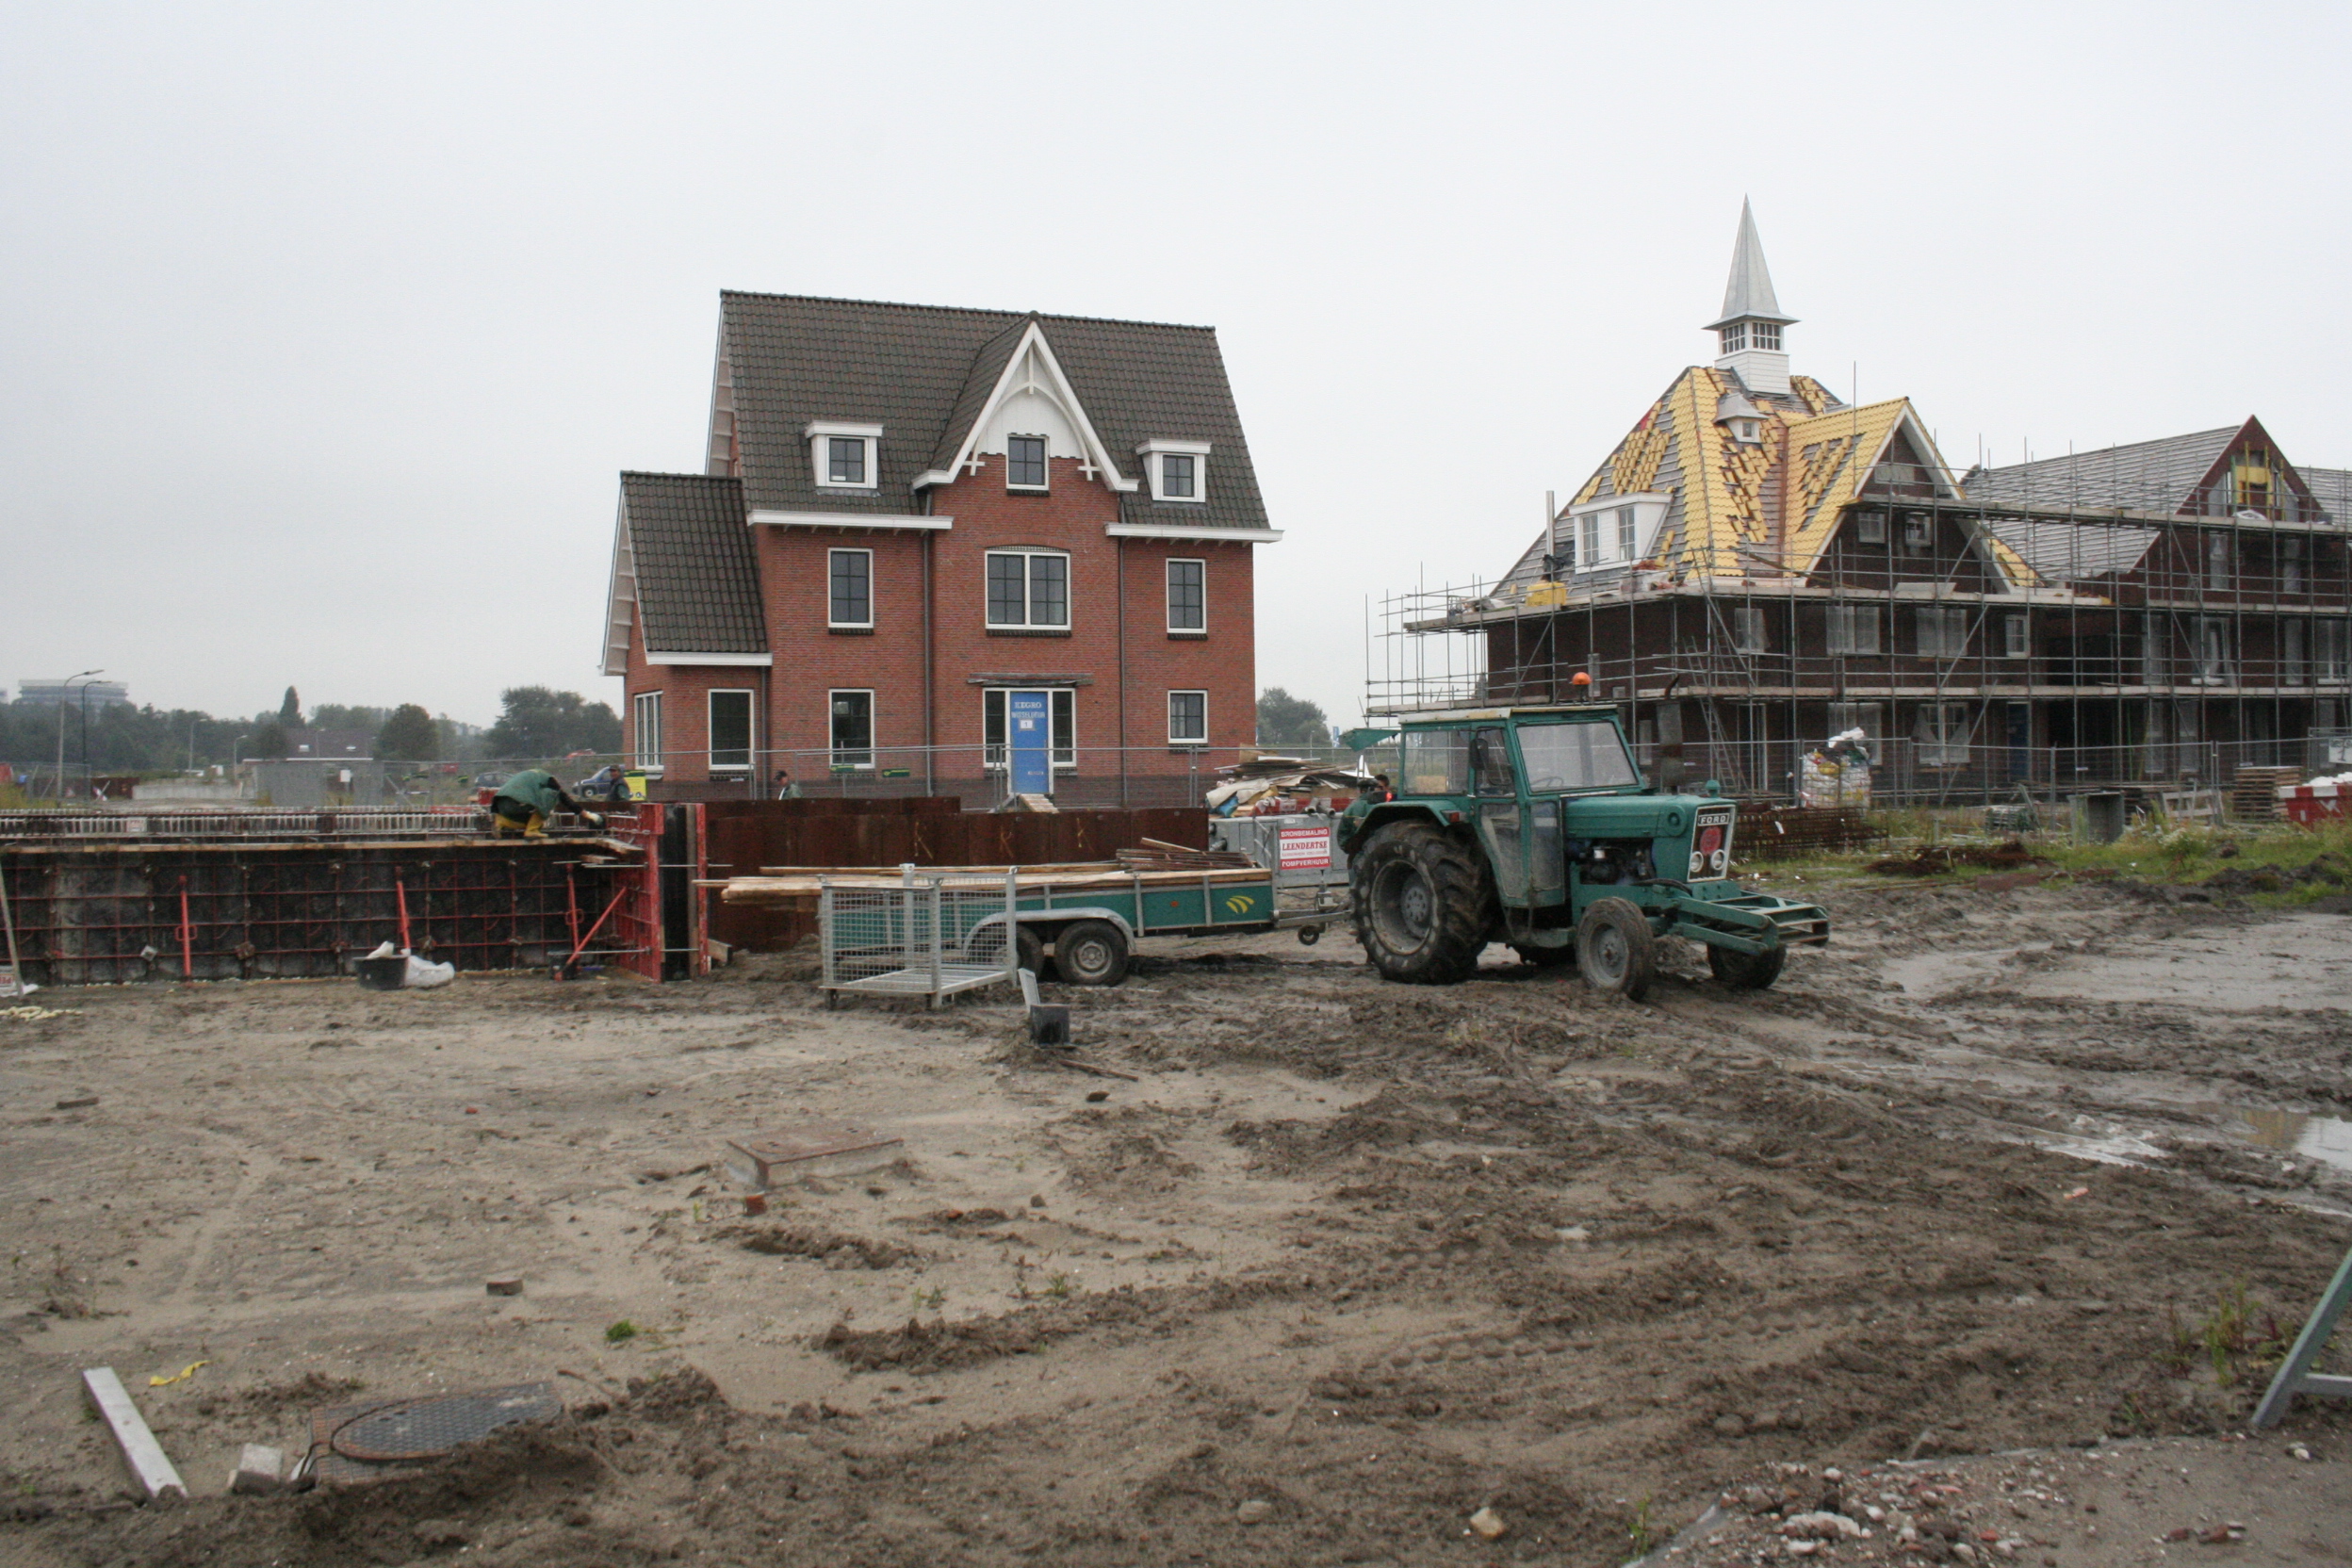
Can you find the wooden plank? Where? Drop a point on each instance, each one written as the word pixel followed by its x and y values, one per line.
pixel 148 1462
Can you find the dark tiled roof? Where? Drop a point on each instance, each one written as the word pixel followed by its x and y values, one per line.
pixel 697 585
pixel 2071 552
pixel 923 372
pixel 2146 476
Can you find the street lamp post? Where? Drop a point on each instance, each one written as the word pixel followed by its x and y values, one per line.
pixel 62 686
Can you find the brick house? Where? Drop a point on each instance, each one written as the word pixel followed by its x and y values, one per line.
pixel 915 520
pixel 1758 564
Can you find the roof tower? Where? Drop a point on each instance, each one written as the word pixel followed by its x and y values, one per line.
pixel 1749 329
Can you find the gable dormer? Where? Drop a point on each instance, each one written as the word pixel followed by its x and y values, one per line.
pixel 1029 417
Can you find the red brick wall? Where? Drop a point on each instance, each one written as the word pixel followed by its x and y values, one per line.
pixel 685 709
pixel 812 659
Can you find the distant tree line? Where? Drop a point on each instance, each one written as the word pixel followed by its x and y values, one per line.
pixel 117 737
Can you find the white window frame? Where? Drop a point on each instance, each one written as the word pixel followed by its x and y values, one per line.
pixel 1044 486
pixel 1852 629
pixel 1932 732
pixel 645 715
pixel 820 435
pixel 1951 626
pixel 1751 632
pixel 834 752
pixel 2331 651
pixel 2294 651
pixel 2219 561
pixel 1169 578
pixel 2017 635
pixel 2294 565
pixel 1870 527
pixel 866 625
pixel 1155 452
pixel 2212 658
pixel 1199 740
pixel 751 728
pixel 1029 622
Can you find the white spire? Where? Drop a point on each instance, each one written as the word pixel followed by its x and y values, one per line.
pixel 1748 292
pixel 1749 328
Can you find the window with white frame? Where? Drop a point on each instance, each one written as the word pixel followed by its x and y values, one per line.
pixel 845 456
pixel 2017 636
pixel 1061 724
pixel 646 713
pixel 1588 539
pixel 849 589
pixel 1187 718
pixel 1941 731
pixel 852 726
pixel 1852 629
pixel 1918 533
pixel 2292 555
pixel 2155 651
pixel 2217 562
pixel 1734 338
pixel 1029 589
pixel 2213 654
pixel 1025 467
pixel 1765 334
pixel 1628 534
pixel 1870 527
pixel 1749 632
pixel 2295 660
pixel 1940 631
pixel 1187 596
pixel 1179 470
pixel 2331 651
pixel 730 731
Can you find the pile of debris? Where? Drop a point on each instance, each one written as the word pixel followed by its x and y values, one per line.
pixel 1266 781
pixel 1936 859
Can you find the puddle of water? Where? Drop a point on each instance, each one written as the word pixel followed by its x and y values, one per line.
pixel 2317 1137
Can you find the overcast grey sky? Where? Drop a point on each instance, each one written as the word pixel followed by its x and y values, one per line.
pixel 324 329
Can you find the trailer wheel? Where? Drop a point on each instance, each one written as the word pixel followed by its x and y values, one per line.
pixel 1615 951
pixel 1425 902
pixel 1030 948
pixel 1746 971
pixel 1091 953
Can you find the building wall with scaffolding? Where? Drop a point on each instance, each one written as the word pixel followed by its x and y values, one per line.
pixel 1984 637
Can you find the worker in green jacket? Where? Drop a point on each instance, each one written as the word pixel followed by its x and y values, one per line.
pixel 525 802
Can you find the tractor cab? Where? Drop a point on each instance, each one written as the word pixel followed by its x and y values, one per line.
pixel 1534 826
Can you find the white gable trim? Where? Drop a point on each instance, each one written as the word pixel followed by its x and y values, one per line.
pixel 1056 388
pixel 620 609
pixel 1946 488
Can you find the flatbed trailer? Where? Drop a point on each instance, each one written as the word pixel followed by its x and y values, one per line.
pixel 1090 915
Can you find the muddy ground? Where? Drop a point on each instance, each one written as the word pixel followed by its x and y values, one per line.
pixel 1342 1263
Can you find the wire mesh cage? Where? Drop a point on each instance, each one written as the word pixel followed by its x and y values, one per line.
pixel 926 936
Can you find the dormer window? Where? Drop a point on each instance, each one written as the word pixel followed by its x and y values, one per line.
pixel 1179 470
pixel 1024 463
pixel 845 456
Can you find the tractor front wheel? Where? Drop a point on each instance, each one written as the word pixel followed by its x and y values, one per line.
pixel 1615 951
pixel 1425 903
pixel 1746 971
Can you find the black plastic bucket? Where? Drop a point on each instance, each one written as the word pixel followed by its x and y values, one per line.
pixel 381 975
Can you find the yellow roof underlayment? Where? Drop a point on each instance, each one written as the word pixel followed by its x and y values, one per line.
pixel 1830 451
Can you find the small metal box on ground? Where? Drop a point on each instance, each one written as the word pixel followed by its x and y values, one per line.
pixel 2099 817
pixel 762 1160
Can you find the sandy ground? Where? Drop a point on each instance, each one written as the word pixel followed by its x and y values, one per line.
pixel 1341 1264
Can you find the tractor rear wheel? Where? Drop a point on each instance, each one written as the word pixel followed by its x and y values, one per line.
pixel 1615 951
pixel 1425 902
pixel 1091 953
pixel 1746 971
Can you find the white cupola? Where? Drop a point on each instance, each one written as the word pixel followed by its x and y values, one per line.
pixel 1749 330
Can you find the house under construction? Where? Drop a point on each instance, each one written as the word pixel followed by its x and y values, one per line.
pixel 1759 565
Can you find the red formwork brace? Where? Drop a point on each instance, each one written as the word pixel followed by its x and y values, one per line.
pixel 399 886
pixel 187 937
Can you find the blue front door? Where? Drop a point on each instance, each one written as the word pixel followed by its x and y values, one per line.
pixel 1029 739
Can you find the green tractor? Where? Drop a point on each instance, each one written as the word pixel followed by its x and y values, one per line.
pixel 1533 826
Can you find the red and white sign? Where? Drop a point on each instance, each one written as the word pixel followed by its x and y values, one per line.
pixel 1306 848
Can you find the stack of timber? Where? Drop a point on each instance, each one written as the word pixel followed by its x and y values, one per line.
pixel 789 886
pixel 2254 792
pixel 1157 856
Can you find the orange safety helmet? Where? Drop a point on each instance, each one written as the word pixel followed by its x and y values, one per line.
pixel 1580 679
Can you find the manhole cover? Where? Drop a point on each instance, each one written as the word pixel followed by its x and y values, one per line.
pixel 390 1431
